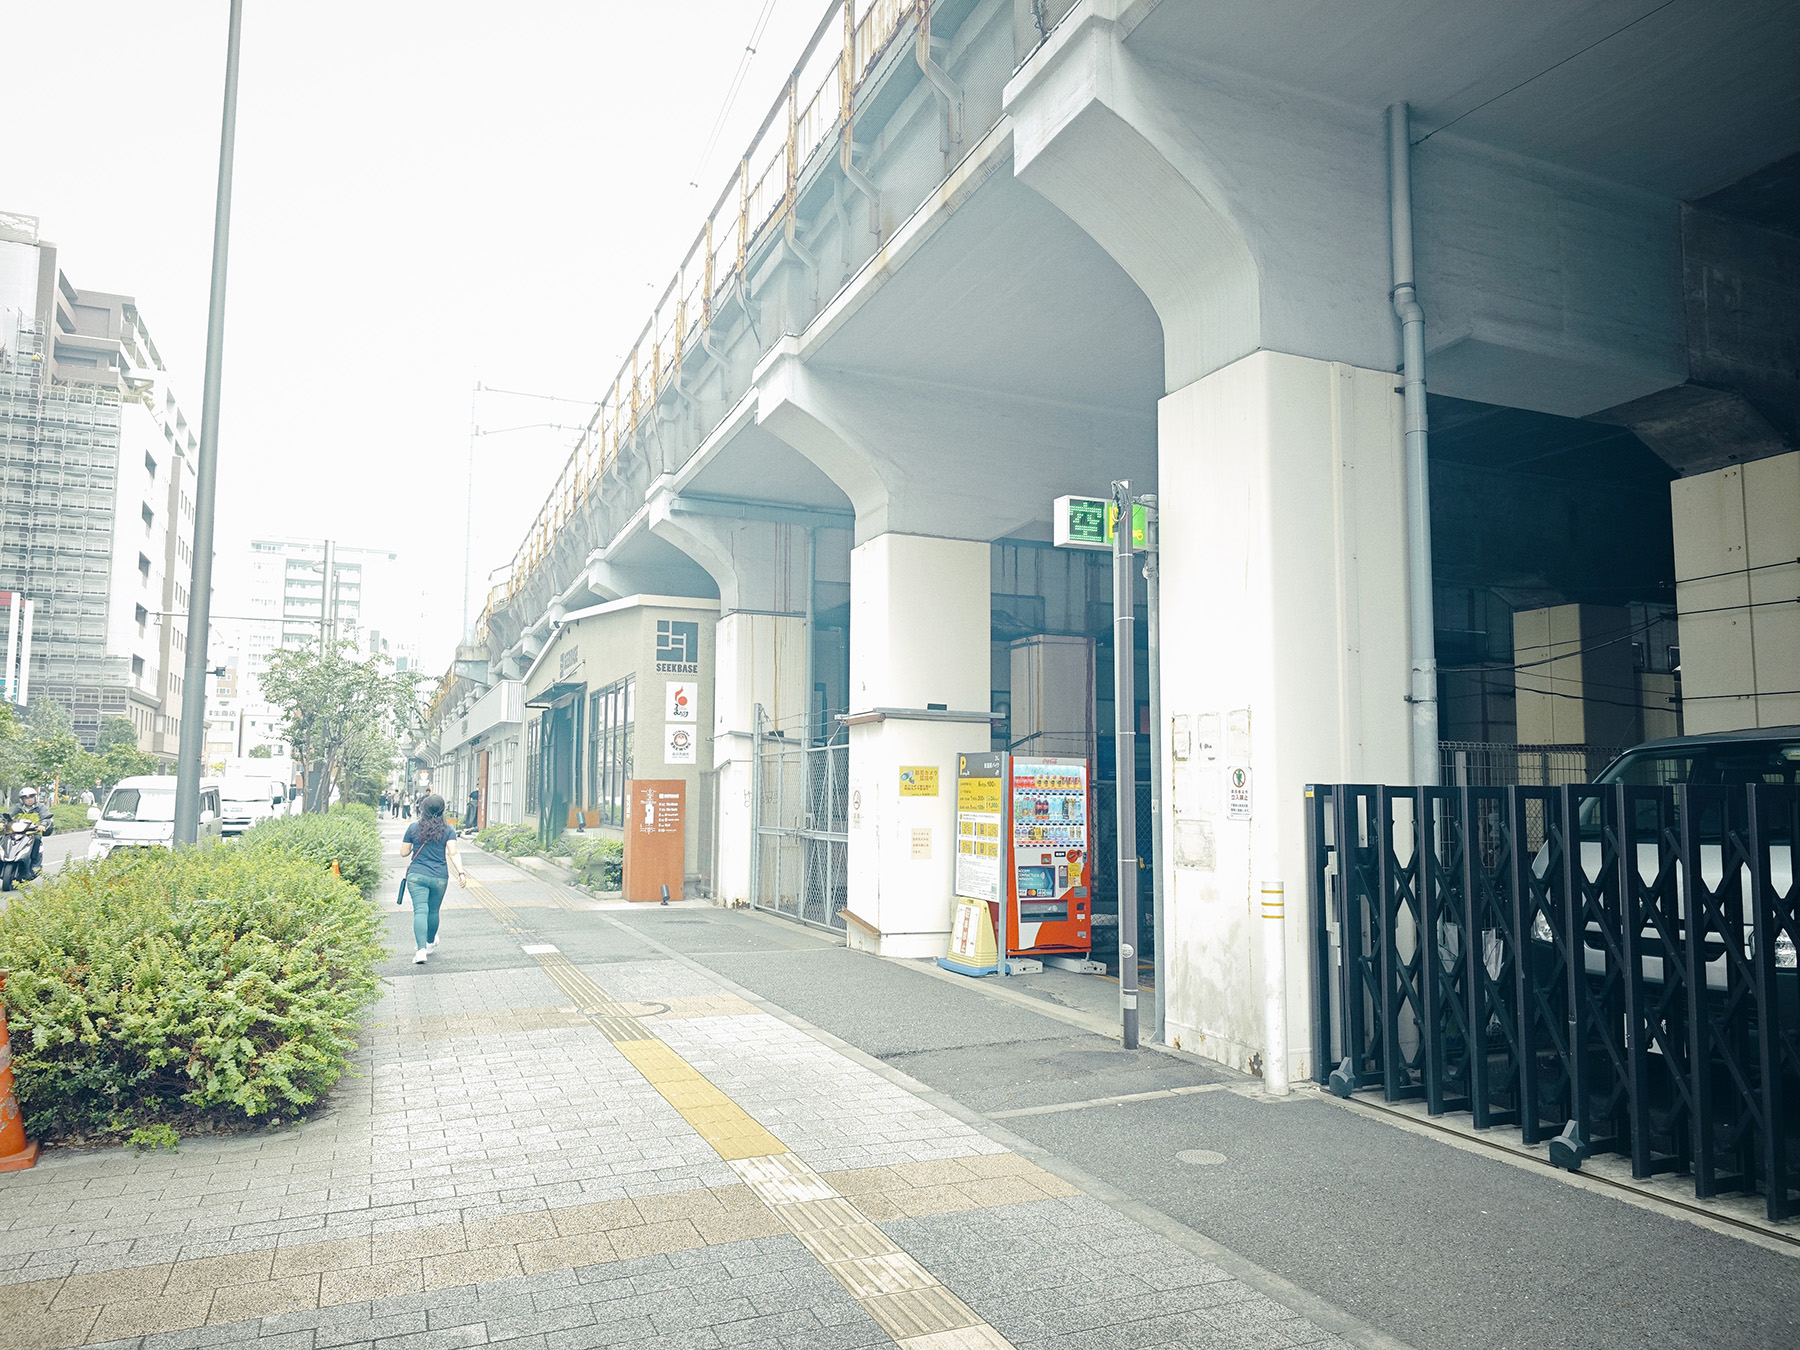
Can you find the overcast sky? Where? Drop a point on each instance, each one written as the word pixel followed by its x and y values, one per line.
pixel 426 195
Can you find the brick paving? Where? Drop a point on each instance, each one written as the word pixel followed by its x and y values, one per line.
pixel 610 1148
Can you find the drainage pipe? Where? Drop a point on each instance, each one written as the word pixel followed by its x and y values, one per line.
pixel 949 92
pixel 1422 641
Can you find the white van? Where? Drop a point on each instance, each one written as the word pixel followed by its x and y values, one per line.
pixel 246 800
pixel 140 813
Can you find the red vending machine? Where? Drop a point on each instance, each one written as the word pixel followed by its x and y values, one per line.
pixel 1049 869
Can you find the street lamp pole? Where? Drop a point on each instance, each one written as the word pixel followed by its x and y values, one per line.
pixel 199 628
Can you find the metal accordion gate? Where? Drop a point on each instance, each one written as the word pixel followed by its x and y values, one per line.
pixel 1606 968
pixel 800 823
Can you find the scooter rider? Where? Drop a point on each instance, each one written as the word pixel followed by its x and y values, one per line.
pixel 44 820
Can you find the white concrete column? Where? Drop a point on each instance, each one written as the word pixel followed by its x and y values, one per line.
pixel 1283 655
pixel 919 635
pixel 759 657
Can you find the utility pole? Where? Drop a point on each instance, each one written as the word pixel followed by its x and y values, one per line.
pixel 1125 760
pixel 328 601
pixel 199 629
pixel 1153 644
pixel 469 515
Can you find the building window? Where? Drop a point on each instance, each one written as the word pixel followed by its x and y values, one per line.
pixel 534 750
pixel 149 518
pixel 143 617
pixel 610 718
pixel 150 464
pixel 137 669
pixel 144 566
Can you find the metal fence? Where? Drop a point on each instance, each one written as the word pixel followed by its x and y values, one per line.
pixel 1502 764
pixel 1613 963
pixel 800 796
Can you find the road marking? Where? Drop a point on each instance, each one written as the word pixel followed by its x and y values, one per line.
pixel 1056 1107
pixel 903 1297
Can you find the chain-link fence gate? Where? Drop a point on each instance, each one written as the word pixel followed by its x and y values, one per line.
pixel 800 802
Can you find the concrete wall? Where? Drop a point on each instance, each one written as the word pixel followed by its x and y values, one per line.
pixel 1737 535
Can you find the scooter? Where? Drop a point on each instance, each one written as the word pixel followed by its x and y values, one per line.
pixel 17 841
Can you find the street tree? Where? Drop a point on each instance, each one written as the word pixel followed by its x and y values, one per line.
pixel 115 731
pixel 46 750
pixel 341 713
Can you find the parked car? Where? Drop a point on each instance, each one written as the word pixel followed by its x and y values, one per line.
pixel 140 813
pixel 1718 759
pixel 246 800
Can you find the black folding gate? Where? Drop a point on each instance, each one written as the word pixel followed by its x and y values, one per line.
pixel 1609 968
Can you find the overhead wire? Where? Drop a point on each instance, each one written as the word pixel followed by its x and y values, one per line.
pixel 733 89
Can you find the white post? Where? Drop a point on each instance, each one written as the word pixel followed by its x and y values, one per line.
pixel 7 687
pixel 1275 1072
pixel 23 687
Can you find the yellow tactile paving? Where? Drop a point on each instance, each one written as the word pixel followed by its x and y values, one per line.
pixel 898 1292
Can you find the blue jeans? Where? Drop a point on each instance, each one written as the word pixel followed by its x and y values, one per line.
pixel 427 895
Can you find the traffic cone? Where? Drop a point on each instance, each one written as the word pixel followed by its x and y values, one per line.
pixel 334 868
pixel 16 1151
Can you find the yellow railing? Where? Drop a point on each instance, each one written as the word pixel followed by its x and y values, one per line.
pixel 816 106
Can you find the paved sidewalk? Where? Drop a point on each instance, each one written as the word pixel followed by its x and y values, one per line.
pixel 563 1136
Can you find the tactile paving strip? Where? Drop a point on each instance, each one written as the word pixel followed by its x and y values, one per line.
pixel 900 1294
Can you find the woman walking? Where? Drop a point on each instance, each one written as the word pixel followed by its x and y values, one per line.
pixel 430 841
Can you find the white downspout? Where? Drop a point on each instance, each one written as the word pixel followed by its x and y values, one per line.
pixel 1421 624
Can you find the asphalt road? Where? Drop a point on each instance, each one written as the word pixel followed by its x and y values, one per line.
pixel 1432 1244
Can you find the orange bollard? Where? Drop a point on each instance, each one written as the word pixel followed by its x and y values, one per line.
pixel 334 868
pixel 16 1151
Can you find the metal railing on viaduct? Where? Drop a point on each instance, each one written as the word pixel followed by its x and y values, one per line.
pixel 849 80
pixel 1607 968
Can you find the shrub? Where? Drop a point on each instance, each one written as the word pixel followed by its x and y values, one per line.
pixel 600 862
pixel 348 836
pixel 225 981
pixel 358 811
pixel 514 841
pixel 71 816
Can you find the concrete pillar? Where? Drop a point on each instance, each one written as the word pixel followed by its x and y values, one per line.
pixel 919 636
pixel 1283 656
pixel 759 657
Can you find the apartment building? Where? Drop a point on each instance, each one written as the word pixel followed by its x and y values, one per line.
pixel 97 480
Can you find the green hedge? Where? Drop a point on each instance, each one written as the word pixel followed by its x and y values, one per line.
pixel 224 981
pixel 347 835
pixel 515 841
pixel 71 816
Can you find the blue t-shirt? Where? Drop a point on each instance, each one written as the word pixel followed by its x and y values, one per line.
pixel 428 859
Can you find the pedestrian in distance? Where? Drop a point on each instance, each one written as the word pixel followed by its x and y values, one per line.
pixel 430 843
pixel 473 818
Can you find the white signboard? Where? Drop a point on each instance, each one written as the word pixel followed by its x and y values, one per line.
pixel 1237 793
pixel 683 701
pixel 680 744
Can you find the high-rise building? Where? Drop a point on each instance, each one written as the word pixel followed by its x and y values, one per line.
pixel 97 466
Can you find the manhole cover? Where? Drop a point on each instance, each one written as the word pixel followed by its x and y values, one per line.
pixel 1199 1157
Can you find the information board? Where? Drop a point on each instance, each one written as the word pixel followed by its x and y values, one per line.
pixel 980 785
pixel 655 838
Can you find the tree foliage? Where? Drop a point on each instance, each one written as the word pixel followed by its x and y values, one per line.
pixel 115 731
pixel 342 715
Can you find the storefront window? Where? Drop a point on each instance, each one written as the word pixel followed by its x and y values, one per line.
pixel 534 748
pixel 609 761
